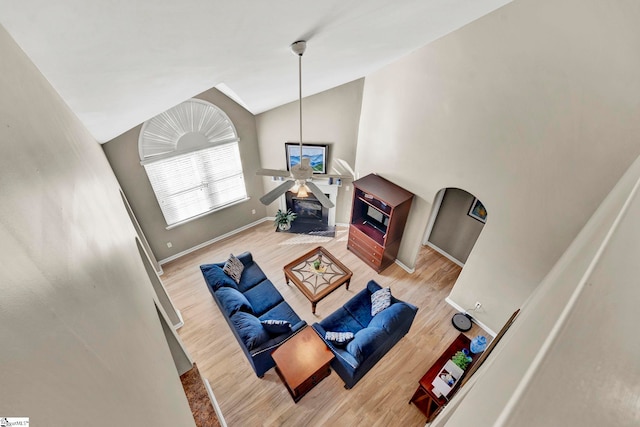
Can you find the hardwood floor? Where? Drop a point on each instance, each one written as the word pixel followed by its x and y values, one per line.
pixel 379 399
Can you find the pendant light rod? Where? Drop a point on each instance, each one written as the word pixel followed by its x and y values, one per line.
pixel 299 48
pixel 300 99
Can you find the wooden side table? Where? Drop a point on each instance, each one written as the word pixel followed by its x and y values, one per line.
pixel 424 398
pixel 302 362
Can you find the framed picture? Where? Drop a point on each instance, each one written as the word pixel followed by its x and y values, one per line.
pixel 317 154
pixel 478 211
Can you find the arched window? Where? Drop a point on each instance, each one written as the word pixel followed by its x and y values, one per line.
pixel 192 159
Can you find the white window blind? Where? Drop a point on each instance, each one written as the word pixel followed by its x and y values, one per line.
pixel 192 159
pixel 188 185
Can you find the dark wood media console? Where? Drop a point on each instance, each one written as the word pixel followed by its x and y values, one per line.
pixel 378 217
pixel 424 397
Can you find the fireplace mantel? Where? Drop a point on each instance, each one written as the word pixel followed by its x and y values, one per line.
pixel 331 190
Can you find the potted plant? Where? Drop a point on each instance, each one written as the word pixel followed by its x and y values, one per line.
pixel 461 360
pixel 283 219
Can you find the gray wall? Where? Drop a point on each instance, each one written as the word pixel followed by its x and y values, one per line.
pixel 533 109
pixel 123 156
pixel 81 340
pixel 454 231
pixel 328 117
pixel 571 356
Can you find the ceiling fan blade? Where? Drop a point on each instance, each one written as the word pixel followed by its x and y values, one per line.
pixel 324 200
pixel 272 195
pixel 273 172
pixel 343 168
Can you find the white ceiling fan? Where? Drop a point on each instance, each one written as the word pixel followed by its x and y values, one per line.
pixel 302 172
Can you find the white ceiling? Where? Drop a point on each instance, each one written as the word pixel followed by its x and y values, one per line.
pixel 118 63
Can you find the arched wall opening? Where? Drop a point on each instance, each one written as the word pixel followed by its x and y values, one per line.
pixel 456 221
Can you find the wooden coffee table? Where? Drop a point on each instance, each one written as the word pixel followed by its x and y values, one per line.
pixel 317 284
pixel 302 362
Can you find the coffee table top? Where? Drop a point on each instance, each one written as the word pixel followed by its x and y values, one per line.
pixel 301 356
pixel 317 284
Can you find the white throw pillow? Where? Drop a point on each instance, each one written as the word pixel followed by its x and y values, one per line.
pixel 380 300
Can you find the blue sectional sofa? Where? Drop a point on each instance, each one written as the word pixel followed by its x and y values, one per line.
pixel 245 304
pixel 373 336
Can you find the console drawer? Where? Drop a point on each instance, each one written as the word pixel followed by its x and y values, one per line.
pixel 366 250
pixel 363 254
pixel 364 240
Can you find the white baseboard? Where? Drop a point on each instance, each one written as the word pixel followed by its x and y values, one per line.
pixel 217 239
pixel 473 319
pixel 216 407
pixel 444 254
pixel 180 324
pixel 405 267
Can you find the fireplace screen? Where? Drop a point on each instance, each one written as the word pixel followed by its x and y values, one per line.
pixel 307 208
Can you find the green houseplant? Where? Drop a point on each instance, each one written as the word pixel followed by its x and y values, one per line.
pixel 284 219
pixel 461 360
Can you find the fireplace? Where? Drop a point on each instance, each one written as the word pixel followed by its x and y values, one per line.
pixel 312 217
pixel 308 209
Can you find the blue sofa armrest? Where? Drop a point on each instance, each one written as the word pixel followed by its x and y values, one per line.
pixel 246 258
pixel 260 358
pixel 344 363
pixel 276 342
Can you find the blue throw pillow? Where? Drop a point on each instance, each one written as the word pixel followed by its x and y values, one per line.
pixel 366 342
pixel 392 317
pixel 276 327
pixel 233 301
pixel 250 329
pixel 339 339
pixel 216 278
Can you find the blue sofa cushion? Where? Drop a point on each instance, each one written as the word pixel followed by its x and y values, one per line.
pixel 276 327
pixel 250 329
pixel 263 297
pixel 341 321
pixel 391 318
pixel 251 276
pixel 216 278
pixel 360 307
pixel 232 301
pixel 365 342
pixel 281 311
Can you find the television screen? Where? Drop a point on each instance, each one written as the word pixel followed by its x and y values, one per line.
pixel 377 218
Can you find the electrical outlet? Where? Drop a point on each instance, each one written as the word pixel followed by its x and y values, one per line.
pixel 169 244
pixel 347 188
pixel 253 211
pixel 478 305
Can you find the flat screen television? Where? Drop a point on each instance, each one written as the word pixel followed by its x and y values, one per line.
pixel 376 219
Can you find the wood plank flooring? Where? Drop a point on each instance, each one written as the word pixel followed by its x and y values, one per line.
pixel 379 399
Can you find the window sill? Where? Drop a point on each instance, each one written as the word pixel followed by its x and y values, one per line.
pixel 193 218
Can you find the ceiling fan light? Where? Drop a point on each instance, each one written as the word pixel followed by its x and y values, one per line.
pixel 303 191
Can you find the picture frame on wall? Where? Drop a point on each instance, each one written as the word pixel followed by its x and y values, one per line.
pixel 317 154
pixel 478 211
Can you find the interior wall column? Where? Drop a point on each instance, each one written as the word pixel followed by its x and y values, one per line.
pixel 143 239
pixel 179 354
pixel 172 313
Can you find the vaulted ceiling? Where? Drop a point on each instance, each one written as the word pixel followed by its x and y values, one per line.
pixel 117 63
